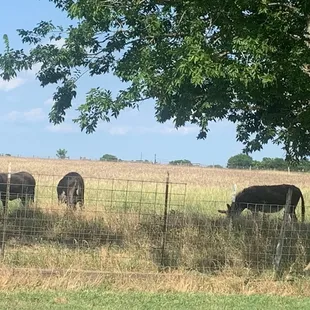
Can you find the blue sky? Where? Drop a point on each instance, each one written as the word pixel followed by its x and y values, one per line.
pixel 26 131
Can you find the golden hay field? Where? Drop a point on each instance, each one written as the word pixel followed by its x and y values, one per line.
pixel 110 185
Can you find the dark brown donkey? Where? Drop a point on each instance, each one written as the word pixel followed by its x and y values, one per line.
pixel 267 199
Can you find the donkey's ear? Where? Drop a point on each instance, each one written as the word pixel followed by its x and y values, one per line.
pixel 222 211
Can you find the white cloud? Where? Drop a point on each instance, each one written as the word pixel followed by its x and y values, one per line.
pixel 34 70
pixel 26 75
pixel 22 78
pixel 166 130
pixel 58 43
pixel 119 131
pixel 185 130
pixel 11 84
pixel 61 128
pixel 33 115
pixel 49 101
pixel 163 130
pixel 12 116
pixel 124 130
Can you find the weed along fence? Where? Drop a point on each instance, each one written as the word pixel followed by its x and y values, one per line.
pixel 144 227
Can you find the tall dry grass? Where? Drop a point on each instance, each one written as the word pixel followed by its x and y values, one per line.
pixel 117 242
pixel 226 283
pixel 120 229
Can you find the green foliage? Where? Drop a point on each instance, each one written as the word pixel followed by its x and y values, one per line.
pixel 256 164
pixel 273 163
pixel 184 162
pixel 61 153
pixel 246 61
pixel 240 160
pixel 108 157
pixel 215 166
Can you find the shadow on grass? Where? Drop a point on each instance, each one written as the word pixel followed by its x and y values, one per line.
pixel 195 242
pixel 192 241
pixel 32 225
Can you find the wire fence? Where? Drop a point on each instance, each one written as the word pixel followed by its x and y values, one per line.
pixel 141 226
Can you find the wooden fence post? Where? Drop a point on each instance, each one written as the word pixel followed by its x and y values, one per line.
pixel 234 193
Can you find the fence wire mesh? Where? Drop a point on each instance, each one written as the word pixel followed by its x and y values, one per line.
pixel 107 233
pixel 143 226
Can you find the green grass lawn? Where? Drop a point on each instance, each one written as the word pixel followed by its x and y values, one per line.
pixel 100 299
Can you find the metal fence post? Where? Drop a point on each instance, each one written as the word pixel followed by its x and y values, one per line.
pixel 5 208
pixel 279 248
pixel 163 247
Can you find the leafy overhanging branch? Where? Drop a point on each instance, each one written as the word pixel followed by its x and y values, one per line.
pixel 201 61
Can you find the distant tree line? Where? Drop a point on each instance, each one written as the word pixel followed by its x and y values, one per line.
pixel 110 157
pixel 267 163
pixel 239 161
pixel 186 162
pixel 183 162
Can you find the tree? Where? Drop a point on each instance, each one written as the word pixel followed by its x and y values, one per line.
pixel 145 161
pixel 256 164
pixel 108 157
pixel 274 163
pixel 246 61
pixel 269 163
pixel 240 161
pixel 61 153
pixel 184 162
pixel 304 165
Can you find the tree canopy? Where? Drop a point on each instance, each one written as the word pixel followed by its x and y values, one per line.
pixel 182 162
pixel 240 161
pixel 243 60
pixel 243 161
pixel 61 153
pixel 108 157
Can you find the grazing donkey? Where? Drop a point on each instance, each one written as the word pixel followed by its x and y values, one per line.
pixel 267 199
pixel 22 185
pixel 70 190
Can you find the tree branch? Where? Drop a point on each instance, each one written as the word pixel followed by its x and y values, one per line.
pixel 289 6
pixel 165 35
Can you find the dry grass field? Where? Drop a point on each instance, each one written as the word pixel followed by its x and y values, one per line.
pixel 107 183
pixel 120 228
